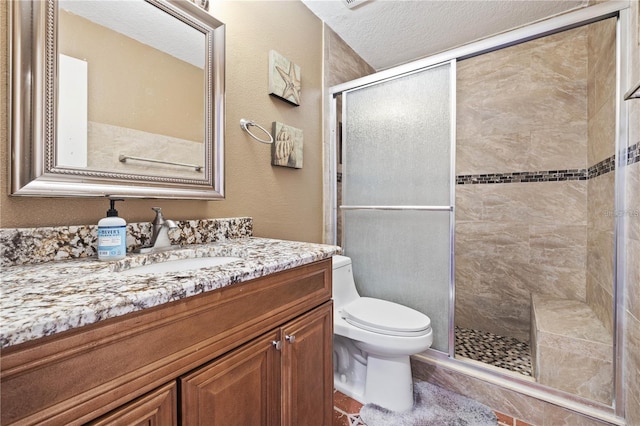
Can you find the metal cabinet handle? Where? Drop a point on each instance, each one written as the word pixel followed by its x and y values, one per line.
pixel 290 338
pixel 277 344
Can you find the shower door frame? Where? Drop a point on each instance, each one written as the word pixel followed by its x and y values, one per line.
pixel 423 208
pixel 618 9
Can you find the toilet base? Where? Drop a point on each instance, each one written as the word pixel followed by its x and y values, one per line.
pixel 352 389
pixel 360 372
pixel 349 368
pixel 389 383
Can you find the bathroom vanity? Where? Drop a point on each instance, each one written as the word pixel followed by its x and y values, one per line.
pixel 246 342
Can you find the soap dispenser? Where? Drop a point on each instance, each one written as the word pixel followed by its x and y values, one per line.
pixel 112 234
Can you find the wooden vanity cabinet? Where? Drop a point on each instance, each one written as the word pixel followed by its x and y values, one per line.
pixel 307 369
pixel 157 408
pixel 240 388
pixel 207 359
pixel 281 378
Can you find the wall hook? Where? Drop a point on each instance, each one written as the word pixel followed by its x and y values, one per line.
pixel 245 126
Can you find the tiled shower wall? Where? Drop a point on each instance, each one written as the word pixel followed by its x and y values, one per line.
pixel 535 410
pixel 631 315
pixel 632 245
pixel 527 134
pixel 601 89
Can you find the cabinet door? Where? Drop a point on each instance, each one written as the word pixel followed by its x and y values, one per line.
pixel 307 371
pixel 157 408
pixel 240 388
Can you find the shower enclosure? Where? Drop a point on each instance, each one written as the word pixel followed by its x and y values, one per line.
pixel 534 229
pixel 481 194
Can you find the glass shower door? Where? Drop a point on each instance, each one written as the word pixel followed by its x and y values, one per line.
pixel 397 197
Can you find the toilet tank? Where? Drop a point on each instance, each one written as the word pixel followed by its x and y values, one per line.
pixel 344 288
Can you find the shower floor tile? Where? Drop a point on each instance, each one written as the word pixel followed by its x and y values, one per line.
pixel 500 351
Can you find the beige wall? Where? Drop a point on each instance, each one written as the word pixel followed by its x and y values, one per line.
pixel 285 203
pixel 520 109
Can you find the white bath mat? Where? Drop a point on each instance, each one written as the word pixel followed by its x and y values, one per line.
pixel 434 406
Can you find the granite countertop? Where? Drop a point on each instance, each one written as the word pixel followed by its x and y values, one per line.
pixel 43 299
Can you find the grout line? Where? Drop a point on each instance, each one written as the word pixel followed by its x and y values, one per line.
pixel 353 418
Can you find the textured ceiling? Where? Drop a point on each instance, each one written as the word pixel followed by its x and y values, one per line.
pixel 386 33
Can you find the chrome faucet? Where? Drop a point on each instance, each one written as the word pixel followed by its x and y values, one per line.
pixel 160 233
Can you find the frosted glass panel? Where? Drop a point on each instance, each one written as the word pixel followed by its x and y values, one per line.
pixel 403 256
pixel 397 152
pixel 397 141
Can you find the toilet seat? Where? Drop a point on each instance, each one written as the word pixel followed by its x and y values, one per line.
pixel 384 317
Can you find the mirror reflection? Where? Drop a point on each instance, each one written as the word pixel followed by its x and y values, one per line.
pixel 131 80
pixel 124 97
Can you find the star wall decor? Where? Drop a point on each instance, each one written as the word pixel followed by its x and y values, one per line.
pixel 284 78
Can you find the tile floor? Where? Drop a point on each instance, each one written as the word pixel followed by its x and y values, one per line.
pixel 346 413
pixel 499 351
pixel 345 410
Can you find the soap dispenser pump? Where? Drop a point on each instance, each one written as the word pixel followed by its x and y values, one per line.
pixel 112 234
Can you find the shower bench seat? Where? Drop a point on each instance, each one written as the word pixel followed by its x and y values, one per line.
pixel 571 348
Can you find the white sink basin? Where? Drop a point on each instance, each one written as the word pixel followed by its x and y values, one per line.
pixel 180 265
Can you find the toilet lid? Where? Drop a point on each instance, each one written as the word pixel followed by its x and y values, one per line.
pixel 384 317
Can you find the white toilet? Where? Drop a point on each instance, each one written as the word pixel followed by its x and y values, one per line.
pixel 372 342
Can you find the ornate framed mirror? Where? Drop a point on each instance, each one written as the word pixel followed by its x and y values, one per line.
pixel 118 98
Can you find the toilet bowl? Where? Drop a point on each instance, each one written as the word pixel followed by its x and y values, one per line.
pixel 373 340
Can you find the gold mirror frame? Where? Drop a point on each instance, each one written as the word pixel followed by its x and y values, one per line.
pixel 32 120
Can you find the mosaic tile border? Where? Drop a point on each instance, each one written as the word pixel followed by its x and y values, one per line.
pixel 605 166
pixel 633 154
pixel 515 177
pixel 37 245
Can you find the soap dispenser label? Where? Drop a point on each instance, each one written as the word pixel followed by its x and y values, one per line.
pixel 112 241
